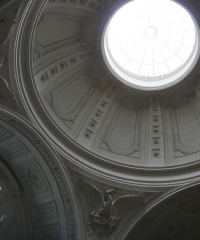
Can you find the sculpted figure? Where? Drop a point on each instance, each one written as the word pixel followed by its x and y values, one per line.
pixel 106 210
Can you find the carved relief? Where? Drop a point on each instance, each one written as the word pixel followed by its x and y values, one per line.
pixel 53 71
pixel 186 126
pixel 13 150
pixel 105 210
pixel 172 227
pixel 67 29
pixel 68 98
pixel 4 134
pixel 123 133
pixel 94 122
pixel 44 211
pixel 165 207
pixel 156 146
pixel 35 181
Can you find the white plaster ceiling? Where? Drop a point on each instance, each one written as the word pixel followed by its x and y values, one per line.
pixel 88 115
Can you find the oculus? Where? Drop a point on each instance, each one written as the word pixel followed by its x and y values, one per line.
pixel 151 44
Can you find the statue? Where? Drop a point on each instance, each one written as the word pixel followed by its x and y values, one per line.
pixel 105 213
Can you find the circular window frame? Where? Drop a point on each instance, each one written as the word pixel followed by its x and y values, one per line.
pixel 156 83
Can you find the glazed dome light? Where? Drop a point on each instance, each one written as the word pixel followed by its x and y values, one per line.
pixel 151 44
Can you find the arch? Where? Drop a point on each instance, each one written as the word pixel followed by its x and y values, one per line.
pixel 50 195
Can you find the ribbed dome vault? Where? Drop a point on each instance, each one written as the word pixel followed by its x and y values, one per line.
pixel 82 107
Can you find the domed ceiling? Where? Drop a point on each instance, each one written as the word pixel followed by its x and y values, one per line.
pixel 177 217
pixel 93 157
pixel 89 110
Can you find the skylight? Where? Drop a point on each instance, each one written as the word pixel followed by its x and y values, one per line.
pixel 151 43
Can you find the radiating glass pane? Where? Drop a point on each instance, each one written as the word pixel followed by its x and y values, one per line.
pixel 138 56
pixel 148 58
pixel 151 38
pixel 146 70
pixel 133 67
pixel 174 45
pixel 121 58
pixel 130 50
pixel 161 69
pixel 174 62
pixel 184 51
pixel 158 57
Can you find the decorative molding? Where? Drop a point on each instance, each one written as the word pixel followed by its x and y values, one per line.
pixel 156 142
pixel 97 116
pixel 106 211
pixel 98 161
pixel 65 103
pixel 130 147
pixel 55 70
pixel 173 226
pixel 5 134
pixel 156 211
pixel 88 5
pixel 13 150
pixel 75 33
pixel 44 211
pixel 41 147
pixel 36 180
pixel 13 211
pixel 178 144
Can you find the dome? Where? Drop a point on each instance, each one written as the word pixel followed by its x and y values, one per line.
pixel 85 153
pixel 94 111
